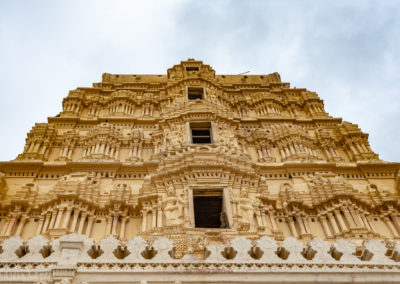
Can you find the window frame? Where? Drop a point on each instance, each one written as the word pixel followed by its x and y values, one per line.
pixel 226 204
pixel 192 68
pixel 201 126
pixel 195 88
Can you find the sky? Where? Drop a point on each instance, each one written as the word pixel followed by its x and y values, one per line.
pixel 346 51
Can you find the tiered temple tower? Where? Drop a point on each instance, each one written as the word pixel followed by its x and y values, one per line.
pixel 198 158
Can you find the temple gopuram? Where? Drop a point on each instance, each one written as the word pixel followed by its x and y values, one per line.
pixel 194 177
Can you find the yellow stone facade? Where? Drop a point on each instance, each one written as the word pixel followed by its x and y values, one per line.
pixel 129 156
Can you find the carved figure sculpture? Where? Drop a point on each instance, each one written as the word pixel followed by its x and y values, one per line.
pixel 173 208
pixel 224 220
pixel 246 206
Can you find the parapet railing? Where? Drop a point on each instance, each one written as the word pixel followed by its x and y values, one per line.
pixel 73 255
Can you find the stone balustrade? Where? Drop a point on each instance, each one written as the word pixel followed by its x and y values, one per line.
pixel 74 257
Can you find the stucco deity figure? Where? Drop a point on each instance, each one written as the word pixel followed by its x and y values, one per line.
pixel 172 139
pixel 173 208
pixel 246 207
pixel 226 137
pixel 224 220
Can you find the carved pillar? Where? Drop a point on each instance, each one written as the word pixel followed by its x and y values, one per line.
pixel 356 217
pixel 292 150
pixel 74 220
pixel 353 149
pixel 144 220
pixel 10 226
pixel 302 228
pixel 122 230
pixel 288 154
pixel 342 224
pixel 40 225
pixel 325 226
pixel 348 217
pixel 259 152
pixel 260 218
pixel 21 225
pixel 53 218
pixel 134 150
pixel 159 218
pixel 109 225
pixel 37 145
pixel 46 223
pixel 359 148
pixel 154 218
pixel 69 154
pixel 64 152
pixel 307 225
pixel 114 225
pixel 31 147
pixel 3 231
pixel 365 221
pixel 107 150
pixel 43 149
pixel 89 226
pixel 58 219
pixel 140 151
pixel 328 155
pixel 66 219
pixel 292 227
pixel 273 221
pixel 333 224
pixel 82 222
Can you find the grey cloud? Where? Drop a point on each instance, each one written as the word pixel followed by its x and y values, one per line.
pixel 347 51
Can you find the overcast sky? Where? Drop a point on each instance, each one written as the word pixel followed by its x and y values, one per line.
pixel 346 51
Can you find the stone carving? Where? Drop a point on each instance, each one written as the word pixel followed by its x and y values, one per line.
pixel 136 246
pixel 344 251
pixel 36 246
pixel 293 248
pixel 72 247
pixel 9 247
pixel 108 246
pixel 121 191
pixel 246 207
pixel 269 249
pixel 173 208
pixel 375 252
pixel 396 252
pixel 280 164
pixel 318 251
pixel 227 137
pixel 228 259
pixel 163 246
pixel 242 246
pixel 84 184
pixel 214 253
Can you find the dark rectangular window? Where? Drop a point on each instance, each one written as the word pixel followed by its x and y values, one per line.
pixel 208 209
pixel 195 93
pixel 192 68
pixel 201 133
